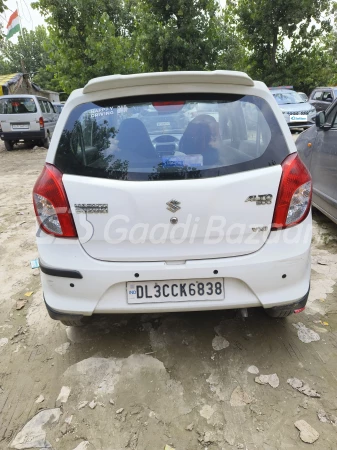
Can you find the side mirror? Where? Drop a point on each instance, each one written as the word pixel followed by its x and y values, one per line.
pixel 320 119
pixel 329 99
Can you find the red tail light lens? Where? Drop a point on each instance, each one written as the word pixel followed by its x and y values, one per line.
pixel 294 195
pixel 168 106
pixel 41 122
pixel 51 204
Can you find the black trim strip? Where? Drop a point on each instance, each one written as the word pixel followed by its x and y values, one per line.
pixel 64 273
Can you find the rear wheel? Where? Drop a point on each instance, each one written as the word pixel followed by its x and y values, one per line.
pixel 279 314
pixel 46 142
pixel 9 145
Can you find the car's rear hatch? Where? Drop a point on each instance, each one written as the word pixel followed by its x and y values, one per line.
pixel 214 198
pixel 214 219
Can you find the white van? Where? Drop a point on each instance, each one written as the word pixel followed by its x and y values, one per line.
pixel 26 118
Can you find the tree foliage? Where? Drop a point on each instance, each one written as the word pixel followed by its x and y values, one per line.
pixel 179 34
pixel 29 55
pixel 267 25
pixel 277 41
pixel 88 38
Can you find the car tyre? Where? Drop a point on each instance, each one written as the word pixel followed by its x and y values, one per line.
pixel 46 142
pixel 9 145
pixel 279 314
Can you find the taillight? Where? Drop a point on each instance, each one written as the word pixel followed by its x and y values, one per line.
pixel 51 204
pixel 294 195
pixel 41 122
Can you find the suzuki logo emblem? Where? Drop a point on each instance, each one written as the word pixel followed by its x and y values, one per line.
pixel 173 206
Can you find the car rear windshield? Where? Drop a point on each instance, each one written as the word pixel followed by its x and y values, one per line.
pixel 16 105
pixel 170 137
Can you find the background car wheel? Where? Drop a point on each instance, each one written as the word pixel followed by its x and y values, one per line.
pixel 76 322
pixel 9 145
pixel 279 314
pixel 46 142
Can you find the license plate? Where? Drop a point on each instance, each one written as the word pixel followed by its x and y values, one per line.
pixel 298 118
pixel 23 126
pixel 176 290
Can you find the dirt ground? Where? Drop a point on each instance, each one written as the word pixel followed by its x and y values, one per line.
pixel 148 381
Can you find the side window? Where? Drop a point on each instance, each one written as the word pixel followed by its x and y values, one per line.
pixel 327 95
pixel 333 118
pixel 317 95
pixel 42 106
pixel 258 131
pixel 46 106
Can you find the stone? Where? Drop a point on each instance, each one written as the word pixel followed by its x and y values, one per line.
pixel 305 334
pixel 307 433
pixel 240 398
pixel 253 369
pixel 33 434
pixel 63 396
pixel 302 387
pixel 219 343
pixel 272 380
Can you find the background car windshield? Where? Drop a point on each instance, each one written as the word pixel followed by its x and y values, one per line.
pixel 17 106
pixel 170 139
pixel 288 98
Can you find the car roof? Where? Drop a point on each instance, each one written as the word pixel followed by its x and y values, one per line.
pixel 281 91
pixel 160 78
pixel 23 96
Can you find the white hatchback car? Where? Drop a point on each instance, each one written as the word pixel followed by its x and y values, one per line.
pixel 143 207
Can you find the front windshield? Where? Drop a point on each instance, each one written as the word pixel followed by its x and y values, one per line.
pixel 288 98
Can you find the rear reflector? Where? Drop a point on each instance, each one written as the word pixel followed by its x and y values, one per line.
pixel 299 310
pixel 51 204
pixel 294 195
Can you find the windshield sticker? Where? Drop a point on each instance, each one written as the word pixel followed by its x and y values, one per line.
pixel 183 161
pixel 108 111
pixel 100 112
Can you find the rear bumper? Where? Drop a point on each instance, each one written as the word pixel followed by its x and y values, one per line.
pixel 23 135
pixel 276 275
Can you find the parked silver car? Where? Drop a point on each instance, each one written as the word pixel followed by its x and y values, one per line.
pixel 297 112
pixel 303 96
pixel 317 149
pixel 26 118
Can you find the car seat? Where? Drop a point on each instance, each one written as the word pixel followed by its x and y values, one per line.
pixel 22 108
pixel 197 137
pixel 134 142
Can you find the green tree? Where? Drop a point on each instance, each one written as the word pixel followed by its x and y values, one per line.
pixel 179 34
pixel 265 25
pixel 29 55
pixel 89 38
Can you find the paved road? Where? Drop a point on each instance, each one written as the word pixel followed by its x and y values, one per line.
pixel 156 380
